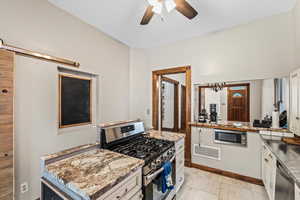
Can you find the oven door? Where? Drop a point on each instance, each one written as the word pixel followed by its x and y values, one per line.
pixel 231 137
pixel 152 187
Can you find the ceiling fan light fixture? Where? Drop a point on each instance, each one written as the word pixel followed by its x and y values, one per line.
pixel 152 2
pixel 170 5
pixel 157 8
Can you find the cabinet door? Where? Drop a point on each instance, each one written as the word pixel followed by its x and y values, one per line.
pixel 294 100
pixel 297 192
pixel 263 164
pixel 272 175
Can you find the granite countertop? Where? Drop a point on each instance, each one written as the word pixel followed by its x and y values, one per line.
pixel 287 154
pixel 109 124
pixel 165 135
pixel 246 127
pixel 91 173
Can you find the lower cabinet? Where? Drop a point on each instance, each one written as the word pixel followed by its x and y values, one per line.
pixel 137 196
pixel 129 189
pixel 297 192
pixel 268 171
pixel 179 146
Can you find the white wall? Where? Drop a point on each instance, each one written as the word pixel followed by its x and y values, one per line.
pixel 296 36
pixel 261 49
pixel 140 86
pixel 37 25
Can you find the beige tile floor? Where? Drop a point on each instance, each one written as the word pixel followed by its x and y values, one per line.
pixel 202 185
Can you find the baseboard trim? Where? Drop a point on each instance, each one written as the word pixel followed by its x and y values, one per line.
pixel 228 174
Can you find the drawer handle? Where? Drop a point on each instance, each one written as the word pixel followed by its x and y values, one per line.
pixel 141 196
pixel 125 192
pixel 270 156
pixel 4 91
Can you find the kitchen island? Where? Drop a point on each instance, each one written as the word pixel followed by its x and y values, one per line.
pixel 89 173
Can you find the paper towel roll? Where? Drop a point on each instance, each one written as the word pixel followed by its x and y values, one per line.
pixel 275 119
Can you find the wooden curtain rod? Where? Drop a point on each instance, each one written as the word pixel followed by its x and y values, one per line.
pixel 37 55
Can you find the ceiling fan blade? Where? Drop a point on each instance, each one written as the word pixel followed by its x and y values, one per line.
pixel 147 16
pixel 186 9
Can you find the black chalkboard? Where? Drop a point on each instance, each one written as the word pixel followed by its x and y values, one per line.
pixel 75 101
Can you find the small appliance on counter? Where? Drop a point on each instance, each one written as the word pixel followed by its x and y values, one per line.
pixel 275 119
pixel 203 116
pixel 265 123
pixel 213 113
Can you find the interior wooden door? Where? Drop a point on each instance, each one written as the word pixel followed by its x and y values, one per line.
pixel 6 125
pixel 174 103
pixel 238 104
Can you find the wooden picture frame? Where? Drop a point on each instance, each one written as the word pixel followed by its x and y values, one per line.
pixel 60 82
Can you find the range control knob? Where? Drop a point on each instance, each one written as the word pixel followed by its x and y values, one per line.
pixel 153 165
pixel 158 162
pixel 170 152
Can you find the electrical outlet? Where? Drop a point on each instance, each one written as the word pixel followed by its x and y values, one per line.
pixel 24 187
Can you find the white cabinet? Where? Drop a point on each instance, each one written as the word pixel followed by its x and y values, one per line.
pixel 268 171
pixel 295 101
pixel 297 192
pixel 179 148
pixel 129 189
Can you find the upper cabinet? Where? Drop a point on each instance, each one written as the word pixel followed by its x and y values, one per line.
pixel 294 100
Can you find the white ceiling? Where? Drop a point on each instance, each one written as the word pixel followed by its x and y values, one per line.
pixel 120 18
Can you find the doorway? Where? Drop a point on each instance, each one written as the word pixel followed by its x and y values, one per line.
pixel 184 96
pixel 169 106
pixel 238 103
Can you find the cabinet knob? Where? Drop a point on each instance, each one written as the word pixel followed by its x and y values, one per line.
pixel 297 118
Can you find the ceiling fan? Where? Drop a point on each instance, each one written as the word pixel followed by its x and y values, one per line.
pixel 156 7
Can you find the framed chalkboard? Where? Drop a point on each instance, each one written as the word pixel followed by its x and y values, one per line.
pixel 75 100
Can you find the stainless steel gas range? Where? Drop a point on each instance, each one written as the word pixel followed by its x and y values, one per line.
pixel 130 139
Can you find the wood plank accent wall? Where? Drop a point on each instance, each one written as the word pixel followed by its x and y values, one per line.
pixel 6 125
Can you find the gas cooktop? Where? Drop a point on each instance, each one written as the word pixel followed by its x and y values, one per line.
pixel 143 147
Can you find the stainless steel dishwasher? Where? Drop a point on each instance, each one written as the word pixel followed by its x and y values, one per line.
pixel 284 188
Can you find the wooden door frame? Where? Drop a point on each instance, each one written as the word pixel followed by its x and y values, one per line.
pixel 155 103
pixel 182 117
pixel 176 104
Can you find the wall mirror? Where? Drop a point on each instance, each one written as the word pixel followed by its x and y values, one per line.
pixel 254 102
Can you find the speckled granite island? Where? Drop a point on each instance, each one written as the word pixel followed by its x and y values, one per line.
pixel 165 135
pixel 87 172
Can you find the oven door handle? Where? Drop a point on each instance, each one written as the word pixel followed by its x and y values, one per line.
pixel 151 176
